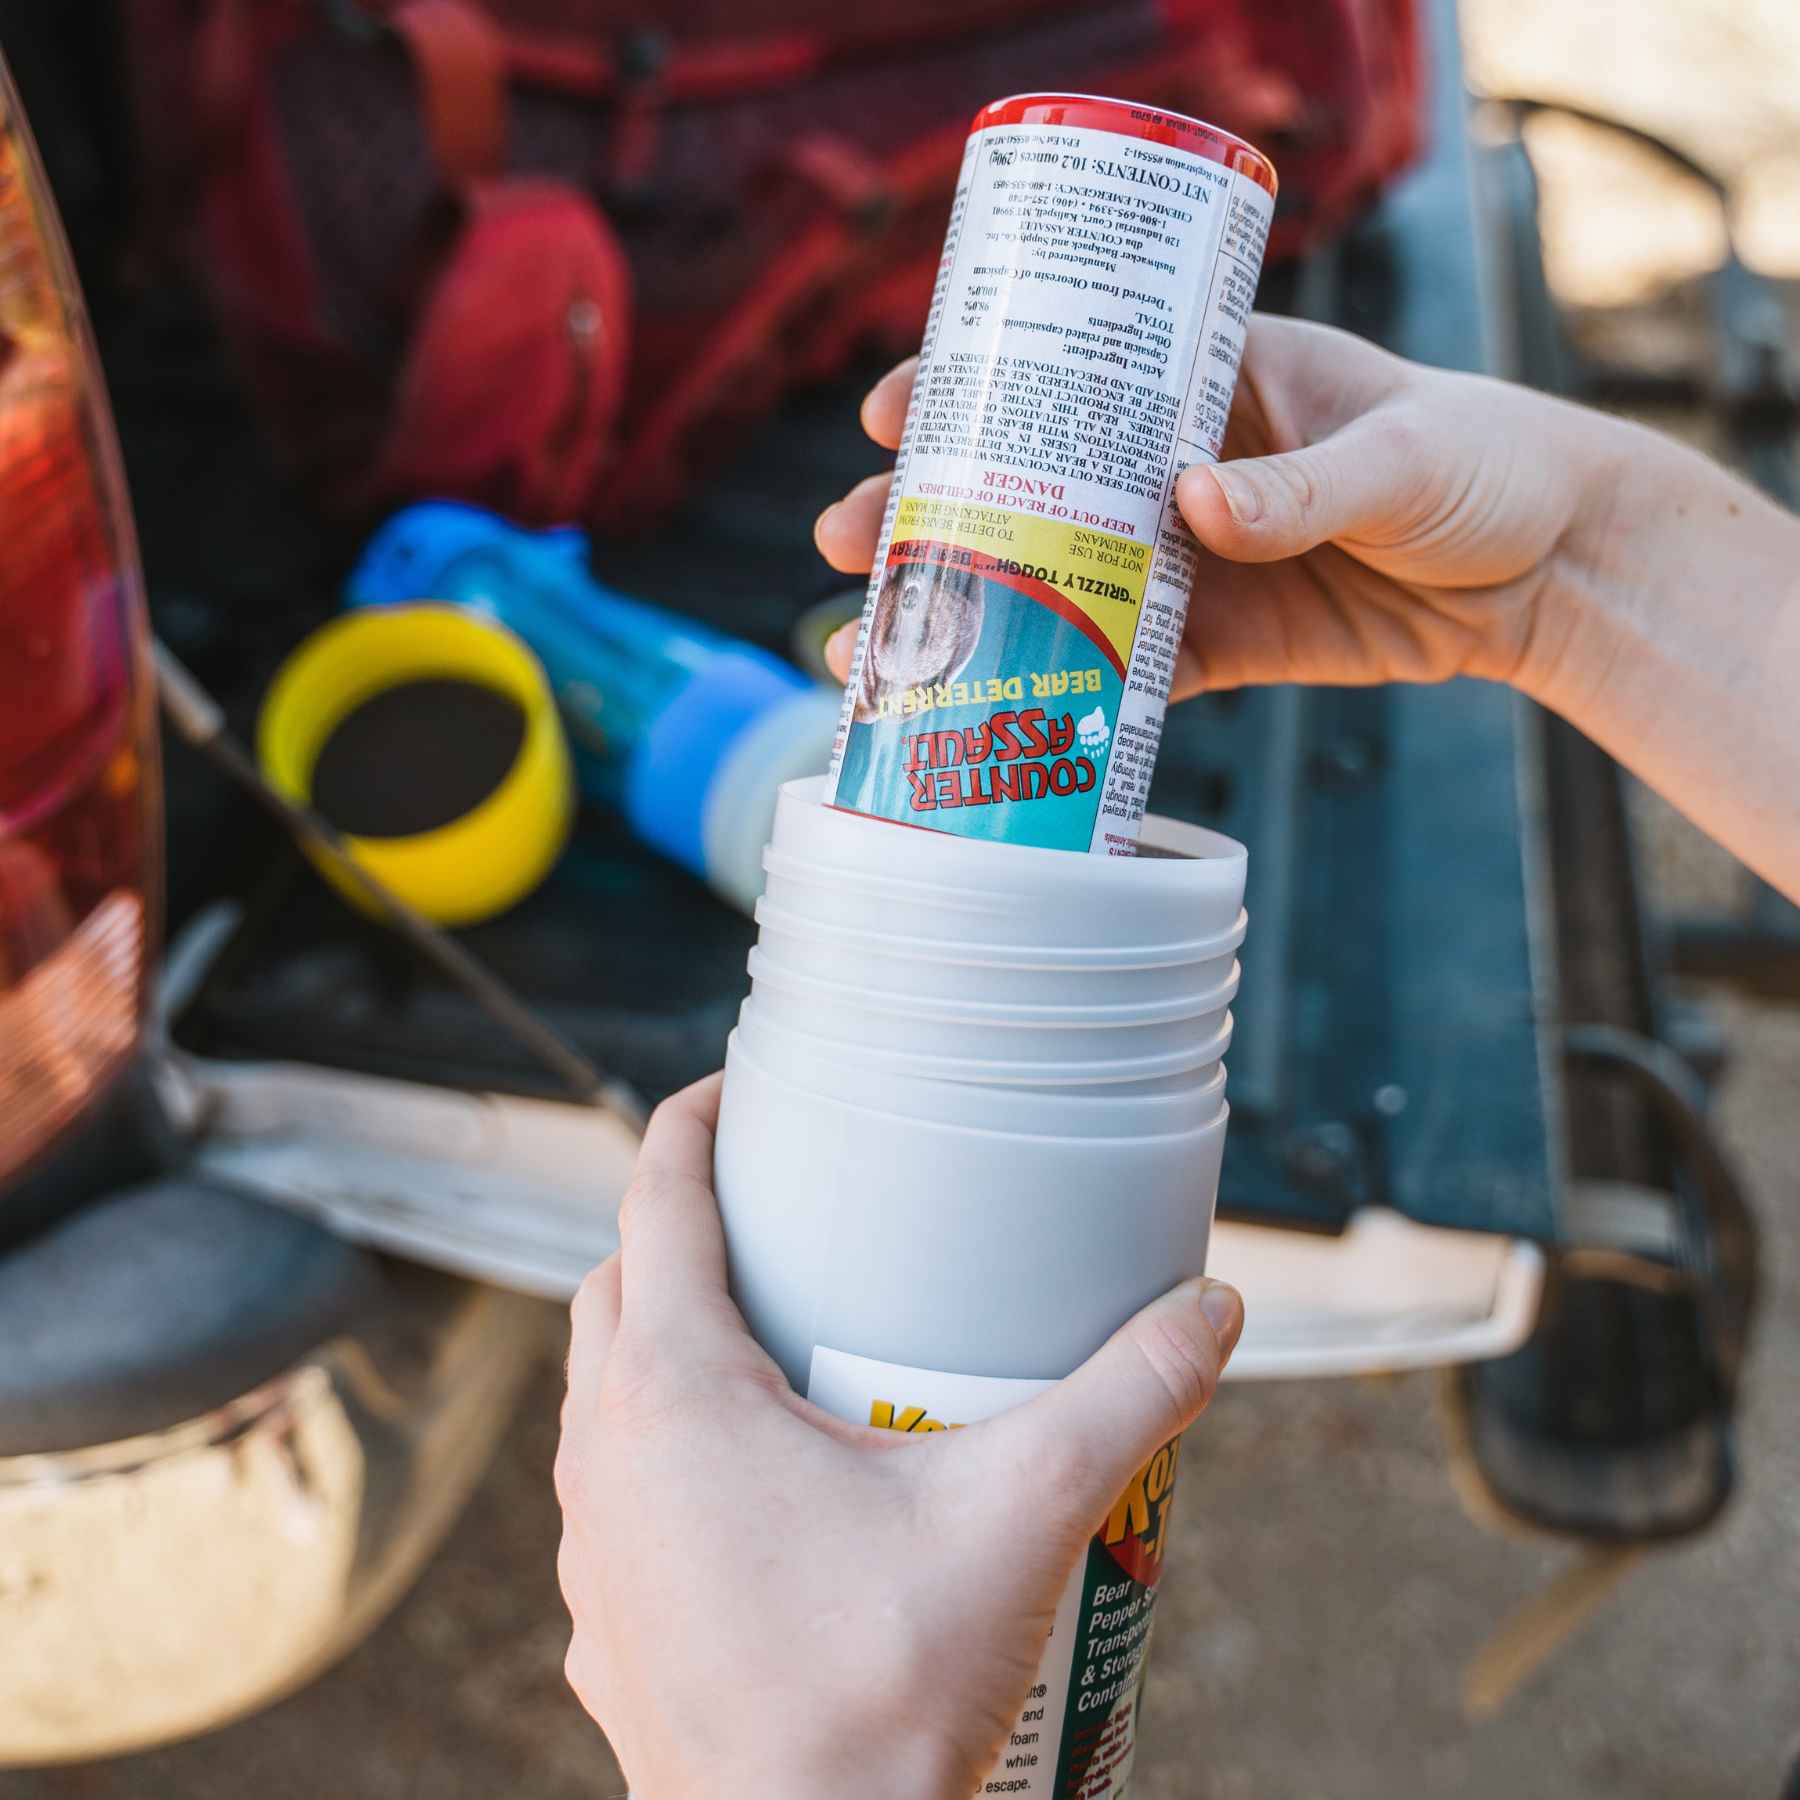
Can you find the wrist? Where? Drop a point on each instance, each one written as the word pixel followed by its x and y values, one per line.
pixel 1615 576
pixel 1667 614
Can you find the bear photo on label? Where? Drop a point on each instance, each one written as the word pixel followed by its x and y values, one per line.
pixel 925 626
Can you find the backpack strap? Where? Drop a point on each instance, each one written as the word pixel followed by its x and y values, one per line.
pixel 641 63
pixel 460 56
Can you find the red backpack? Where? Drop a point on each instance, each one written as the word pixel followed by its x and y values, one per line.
pixel 551 255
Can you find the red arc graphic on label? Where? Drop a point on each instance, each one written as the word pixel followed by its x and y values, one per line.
pixel 978 562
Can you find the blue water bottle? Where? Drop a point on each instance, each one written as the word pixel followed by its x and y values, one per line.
pixel 686 732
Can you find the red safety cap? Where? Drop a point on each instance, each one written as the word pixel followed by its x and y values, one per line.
pixel 1131 120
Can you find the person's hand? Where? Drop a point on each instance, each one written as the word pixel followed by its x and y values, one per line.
pixel 770 1602
pixel 1375 520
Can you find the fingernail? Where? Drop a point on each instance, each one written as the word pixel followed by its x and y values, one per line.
pixel 819 522
pixel 1241 496
pixel 1223 1311
pixel 843 639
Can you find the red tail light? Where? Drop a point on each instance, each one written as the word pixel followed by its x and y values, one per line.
pixel 78 771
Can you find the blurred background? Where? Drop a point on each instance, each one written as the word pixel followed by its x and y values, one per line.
pixel 1573 1575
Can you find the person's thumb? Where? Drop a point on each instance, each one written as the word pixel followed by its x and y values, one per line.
pixel 1085 1438
pixel 1260 508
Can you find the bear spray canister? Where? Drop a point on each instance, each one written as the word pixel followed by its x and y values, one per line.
pixel 1031 581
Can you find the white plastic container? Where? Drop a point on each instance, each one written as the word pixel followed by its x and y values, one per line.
pixel 959 1096
pixel 1041 1034
pixel 838 868
pixel 835 1213
pixel 889 963
pixel 965 1134
pixel 1192 1062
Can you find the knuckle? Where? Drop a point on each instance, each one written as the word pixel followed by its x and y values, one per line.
pixel 595 1286
pixel 1184 1359
pixel 1304 483
pixel 631 1385
pixel 567 1476
pixel 575 1673
pixel 647 1194
pixel 1400 442
pixel 1398 434
pixel 664 1113
pixel 568 1573
pixel 587 1671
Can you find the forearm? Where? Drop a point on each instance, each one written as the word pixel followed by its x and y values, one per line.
pixel 1669 632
